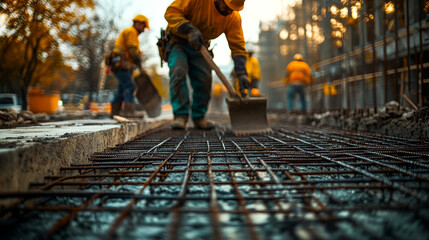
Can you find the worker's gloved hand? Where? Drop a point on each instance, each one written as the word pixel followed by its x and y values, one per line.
pixel 137 61
pixel 195 38
pixel 243 82
pixel 241 73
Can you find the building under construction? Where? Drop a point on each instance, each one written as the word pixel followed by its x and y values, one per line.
pixel 363 53
pixel 314 176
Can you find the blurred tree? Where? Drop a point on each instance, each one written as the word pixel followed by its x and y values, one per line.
pixel 89 49
pixel 8 71
pixel 57 80
pixel 32 33
pixel 94 39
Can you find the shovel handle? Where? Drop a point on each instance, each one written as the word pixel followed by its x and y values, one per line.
pixel 213 65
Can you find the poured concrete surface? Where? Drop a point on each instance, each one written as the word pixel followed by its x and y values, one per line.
pixel 27 154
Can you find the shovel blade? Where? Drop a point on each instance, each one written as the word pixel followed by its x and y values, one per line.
pixel 147 95
pixel 248 116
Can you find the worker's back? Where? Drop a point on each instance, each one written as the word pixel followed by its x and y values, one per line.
pixel 298 72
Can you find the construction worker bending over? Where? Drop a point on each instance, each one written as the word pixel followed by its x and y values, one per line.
pixel 298 75
pixel 126 53
pixel 254 72
pixel 191 24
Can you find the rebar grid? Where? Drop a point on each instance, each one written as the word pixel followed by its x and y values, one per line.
pixel 299 182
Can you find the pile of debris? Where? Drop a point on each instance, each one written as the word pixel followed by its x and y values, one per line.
pixel 391 120
pixel 13 118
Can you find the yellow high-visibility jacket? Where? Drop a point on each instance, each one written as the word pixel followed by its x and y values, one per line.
pixel 129 37
pixel 204 15
pixel 298 72
pixel 217 90
pixel 253 69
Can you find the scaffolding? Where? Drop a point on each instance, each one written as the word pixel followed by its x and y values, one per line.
pixel 371 52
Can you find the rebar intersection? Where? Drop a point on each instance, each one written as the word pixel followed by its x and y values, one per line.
pixel 299 182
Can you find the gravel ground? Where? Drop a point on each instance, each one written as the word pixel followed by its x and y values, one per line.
pixel 389 120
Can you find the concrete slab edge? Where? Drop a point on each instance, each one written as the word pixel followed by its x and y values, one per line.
pixel 25 165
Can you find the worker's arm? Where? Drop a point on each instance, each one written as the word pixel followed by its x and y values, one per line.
pixel 135 56
pixel 241 73
pixel 175 14
pixel 179 25
pixel 194 35
pixel 131 39
pixel 235 37
pixel 289 69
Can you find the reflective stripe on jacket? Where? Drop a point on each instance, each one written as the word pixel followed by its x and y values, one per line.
pixel 298 71
pixel 204 15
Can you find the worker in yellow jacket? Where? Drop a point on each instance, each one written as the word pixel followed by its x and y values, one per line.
pixel 126 53
pixel 191 24
pixel 254 72
pixel 298 75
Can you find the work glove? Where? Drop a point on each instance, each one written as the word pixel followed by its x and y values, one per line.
pixel 195 38
pixel 241 73
pixel 243 83
pixel 137 61
pixel 254 83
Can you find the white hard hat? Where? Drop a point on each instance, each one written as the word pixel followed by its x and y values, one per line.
pixel 249 47
pixel 298 57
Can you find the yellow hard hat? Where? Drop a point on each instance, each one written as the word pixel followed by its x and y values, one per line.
pixel 254 92
pixel 298 57
pixel 217 90
pixel 141 18
pixel 236 5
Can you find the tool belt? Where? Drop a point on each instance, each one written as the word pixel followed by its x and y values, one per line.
pixel 164 46
pixel 117 61
pixel 167 40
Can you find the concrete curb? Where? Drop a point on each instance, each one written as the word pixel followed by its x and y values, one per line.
pixel 21 166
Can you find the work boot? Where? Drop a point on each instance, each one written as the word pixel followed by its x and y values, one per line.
pixel 202 123
pixel 179 122
pixel 129 111
pixel 115 109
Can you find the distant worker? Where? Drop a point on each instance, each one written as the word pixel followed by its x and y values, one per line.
pixel 126 53
pixel 254 72
pixel 191 24
pixel 298 75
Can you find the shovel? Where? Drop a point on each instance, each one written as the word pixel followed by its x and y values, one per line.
pixel 247 115
pixel 147 95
